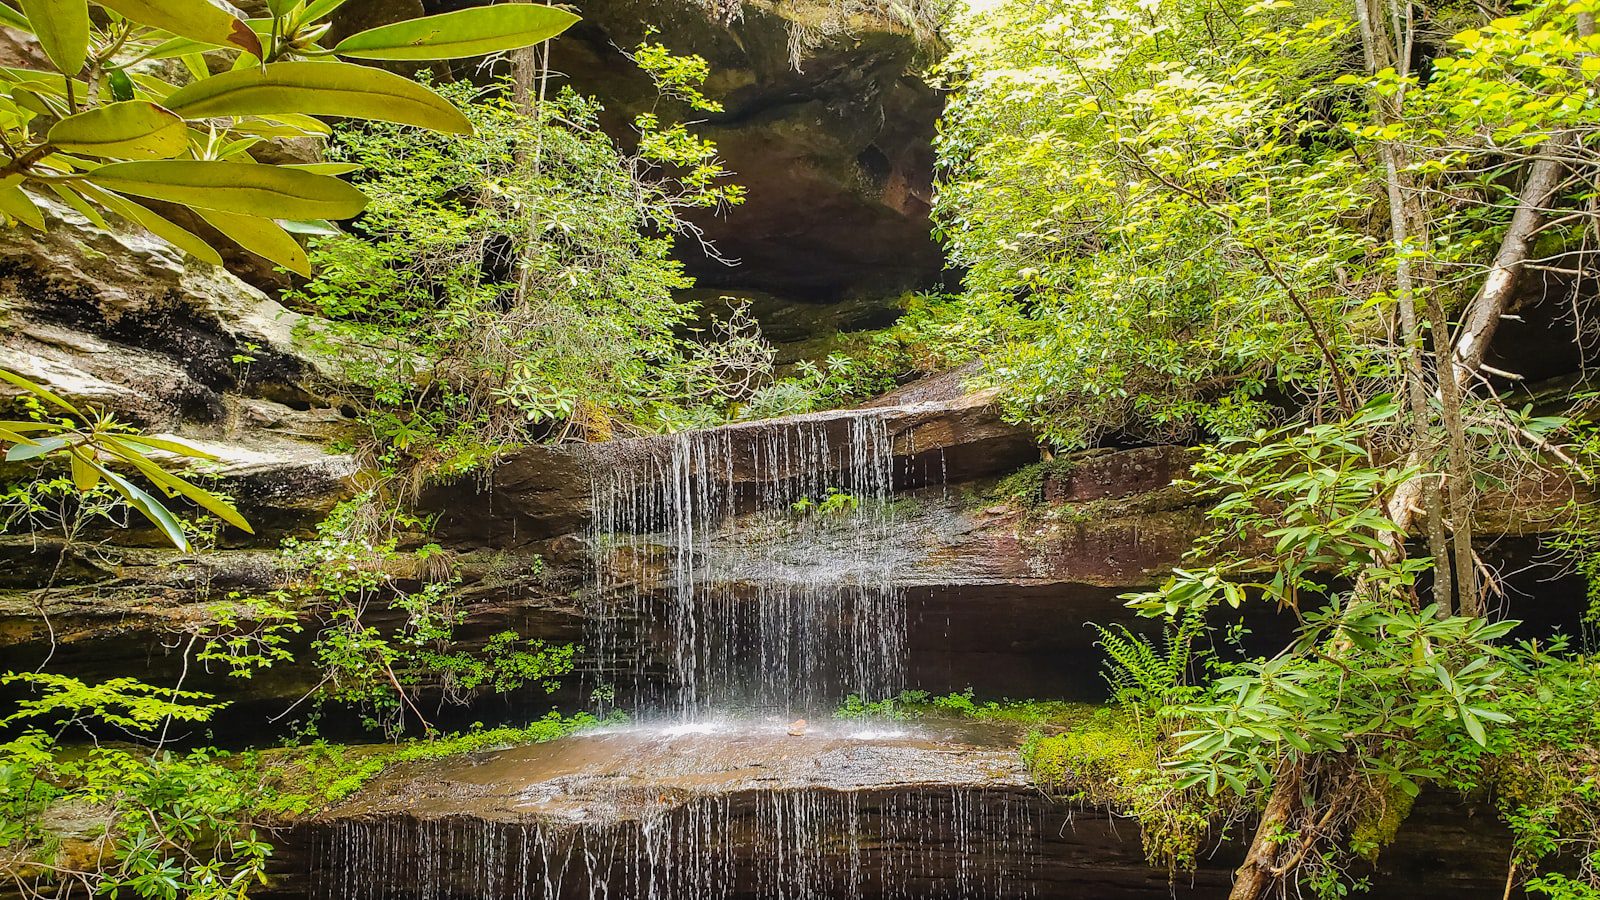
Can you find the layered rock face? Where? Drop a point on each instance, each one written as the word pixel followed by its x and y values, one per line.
pixel 119 320
pixel 831 134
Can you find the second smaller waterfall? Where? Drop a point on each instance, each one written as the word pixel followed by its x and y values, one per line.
pixel 788 612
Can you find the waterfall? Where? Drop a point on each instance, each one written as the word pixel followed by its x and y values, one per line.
pixel 952 843
pixel 788 612
pixel 737 573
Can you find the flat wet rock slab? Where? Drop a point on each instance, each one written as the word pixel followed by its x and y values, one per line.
pixel 748 811
pixel 611 775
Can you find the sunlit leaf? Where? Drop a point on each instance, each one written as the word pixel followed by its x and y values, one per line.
pixel 175 485
pixel 75 200
pixel 318 88
pixel 35 449
pixel 38 391
pixel 244 188
pixel 326 168
pixel 62 27
pixel 13 19
pixel 17 205
pixel 195 19
pixel 149 507
pixel 84 474
pixel 177 448
pixel 14 437
pixel 157 225
pixel 263 237
pixel 475 31
pixel 134 129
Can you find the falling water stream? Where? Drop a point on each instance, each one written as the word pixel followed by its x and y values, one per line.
pixel 730 596
pixel 789 622
pixel 801 845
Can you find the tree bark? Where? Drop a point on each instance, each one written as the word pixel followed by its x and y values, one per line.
pixel 1407 220
pixel 1459 468
pixel 1483 314
pixel 1400 211
pixel 1255 875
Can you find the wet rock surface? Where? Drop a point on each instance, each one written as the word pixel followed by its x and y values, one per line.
pixel 635 772
pixel 543 490
pixel 756 810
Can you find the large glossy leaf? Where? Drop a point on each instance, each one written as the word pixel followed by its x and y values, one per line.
pixel 475 31
pixel 39 447
pixel 38 390
pixel 165 444
pixel 75 200
pixel 157 225
pixel 15 437
pixel 195 19
pixel 326 168
pixel 62 27
pixel 263 237
pixel 133 129
pixel 321 89
pixel 246 188
pixel 176 486
pixel 14 19
pixel 40 102
pixel 42 80
pixel 176 448
pixel 149 506
pixel 16 204
pixel 84 475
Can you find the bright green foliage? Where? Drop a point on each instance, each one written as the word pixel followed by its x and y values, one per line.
pixel 516 284
pixel 101 129
pixel 246 634
pixel 1116 760
pixel 921 704
pixel 169 826
pixel 1172 217
pixel 306 779
pixel 1148 682
pixel 508 662
pixel 840 380
pixel 352 576
pixel 1027 485
pixel 1152 238
pixel 453 35
pixel 1545 771
pixel 1315 494
pixel 1378 695
pixel 123 702
pixel 93 445
pixel 834 503
pixel 1425 683
pixel 191 825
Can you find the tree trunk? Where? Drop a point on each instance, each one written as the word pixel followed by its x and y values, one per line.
pixel 1459 468
pixel 1538 190
pixel 1400 212
pixel 1407 221
pixel 1483 314
pixel 1255 876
